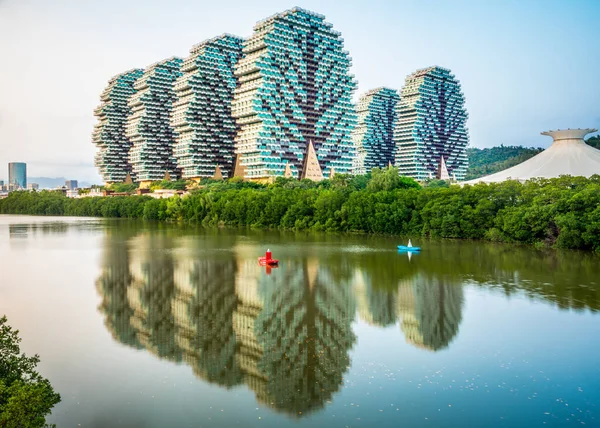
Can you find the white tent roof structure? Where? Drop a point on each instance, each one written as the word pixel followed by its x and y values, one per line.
pixel 568 155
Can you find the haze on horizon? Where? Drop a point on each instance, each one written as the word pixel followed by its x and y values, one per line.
pixel 525 67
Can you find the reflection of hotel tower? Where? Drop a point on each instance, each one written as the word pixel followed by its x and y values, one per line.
pixel 375 306
pixel 429 308
pixel 150 294
pixel 431 311
pixel 294 332
pixel 286 335
pixel 112 286
pixel 203 307
pixel 178 308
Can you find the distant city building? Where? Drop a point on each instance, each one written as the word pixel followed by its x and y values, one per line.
pixel 295 87
pixel 373 135
pixel 17 175
pixel 431 125
pixel 1 183
pixel 112 158
pixel 148 126
pixel 202 111
pixel 71 184
pixel 568 155
pixel 33 186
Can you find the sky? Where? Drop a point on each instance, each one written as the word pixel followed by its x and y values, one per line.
pixel 525 66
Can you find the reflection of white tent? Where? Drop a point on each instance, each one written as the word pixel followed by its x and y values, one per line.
pixel 568 155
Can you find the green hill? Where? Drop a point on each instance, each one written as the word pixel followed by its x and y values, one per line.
pixel 488 161
pixel 594 141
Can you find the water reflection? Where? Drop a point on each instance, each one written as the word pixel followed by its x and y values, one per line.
pixel 431 311
pixel 203 300
pixel 112 285
pixel 203 306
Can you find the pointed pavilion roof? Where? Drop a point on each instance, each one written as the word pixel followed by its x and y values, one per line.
pixel 239 170
pixel 218 174
pixel 311 169
pixel 442 172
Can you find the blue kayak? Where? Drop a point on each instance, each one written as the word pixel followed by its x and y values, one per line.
pixel 407 248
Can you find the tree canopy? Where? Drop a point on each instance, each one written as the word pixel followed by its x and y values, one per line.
pixel 26 398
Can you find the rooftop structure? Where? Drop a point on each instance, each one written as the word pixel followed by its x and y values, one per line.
pixel 568 155
pixel 295 87
pixel 201 113
pixel 149 124
pixel 373 135
pixel 431 124
pixel 109 133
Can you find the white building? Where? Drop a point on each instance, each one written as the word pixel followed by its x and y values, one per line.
pixel 568 155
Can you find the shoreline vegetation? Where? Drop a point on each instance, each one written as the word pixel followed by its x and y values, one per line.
pixel 561 213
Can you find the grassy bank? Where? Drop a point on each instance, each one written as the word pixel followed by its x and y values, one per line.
pixel 563 212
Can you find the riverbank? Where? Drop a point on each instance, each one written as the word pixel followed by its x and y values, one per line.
pixel 563 212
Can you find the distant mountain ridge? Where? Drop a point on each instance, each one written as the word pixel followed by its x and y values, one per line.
pixel 53 183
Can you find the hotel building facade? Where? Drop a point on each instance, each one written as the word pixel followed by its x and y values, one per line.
pixel 112 157
pixel 373 135
pixel 295 88
pixel 431 126
pixel 278 104
pixel 149 125
pixel 201 114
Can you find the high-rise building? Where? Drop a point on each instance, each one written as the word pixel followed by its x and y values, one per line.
pixel 109 133
pixel 373 135
pixel 295 87
pixel 201 113
pixel 17 175
pixel 431 126
pixel 149 124
pixel 71 184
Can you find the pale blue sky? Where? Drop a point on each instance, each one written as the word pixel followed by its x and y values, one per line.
pixel 525 66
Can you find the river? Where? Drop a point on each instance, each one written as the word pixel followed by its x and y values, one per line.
pixel 156 325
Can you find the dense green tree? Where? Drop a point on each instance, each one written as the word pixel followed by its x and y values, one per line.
pixel 561 212
pixel 389 179
pixel 123 187
pixel 26 398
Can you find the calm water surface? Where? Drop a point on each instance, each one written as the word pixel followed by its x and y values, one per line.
pixel 145 325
